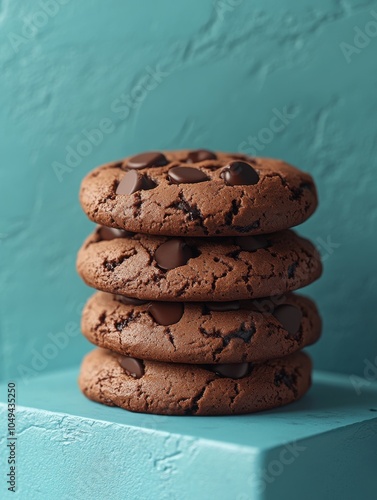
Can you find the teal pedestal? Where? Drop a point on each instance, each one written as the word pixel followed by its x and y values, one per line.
pixel 323 446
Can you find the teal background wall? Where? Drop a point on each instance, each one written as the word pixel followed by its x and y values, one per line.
pixel 181 74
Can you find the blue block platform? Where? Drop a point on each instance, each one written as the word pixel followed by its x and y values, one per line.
pixel 69 448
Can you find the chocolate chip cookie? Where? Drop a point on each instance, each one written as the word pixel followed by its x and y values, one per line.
pixel 198 193
pixel 201 332
pixel 197 269
pixel 186 389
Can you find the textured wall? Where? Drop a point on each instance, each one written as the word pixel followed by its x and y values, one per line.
pixel 185 74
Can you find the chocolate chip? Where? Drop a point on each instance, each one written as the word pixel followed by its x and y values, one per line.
pixel 172 254
pixel 130 183
pixel 186 175
pixel 223 306
pixel 147 160
pixel 289 316
pixel 200 155
pixel 231 370
pixel 252 243
pixel 131 366
pixel 239 173
pixel 166 313
pixel 110 233
pixel 133 181
pixel 129 301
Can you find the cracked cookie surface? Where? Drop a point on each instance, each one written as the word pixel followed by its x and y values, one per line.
pixel 219 269
pixel 203 204
pixel 236 332
pixel 184 389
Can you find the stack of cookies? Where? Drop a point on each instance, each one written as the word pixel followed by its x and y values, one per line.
pixel 195 267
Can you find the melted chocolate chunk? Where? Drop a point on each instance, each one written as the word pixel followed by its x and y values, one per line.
pixel 134 181
pixel 200 155
pixel 110 233
pixel 231 370
pixel 129 301
pixel 186 175
pixel 289 316
pixel 239 173
pixel 132 366
pixel 166 313
pixel 147 160
pixel 173 253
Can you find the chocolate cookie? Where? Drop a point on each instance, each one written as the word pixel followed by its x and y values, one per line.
pixel 184 389
pixel 196 269
pixel 199 332
pixel 198 193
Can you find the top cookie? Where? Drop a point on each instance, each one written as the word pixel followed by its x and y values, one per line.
pixel 198 193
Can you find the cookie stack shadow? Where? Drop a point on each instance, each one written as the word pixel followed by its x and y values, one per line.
pixel 195 266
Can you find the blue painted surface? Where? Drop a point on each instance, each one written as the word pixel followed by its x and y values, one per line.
pixel 69 447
